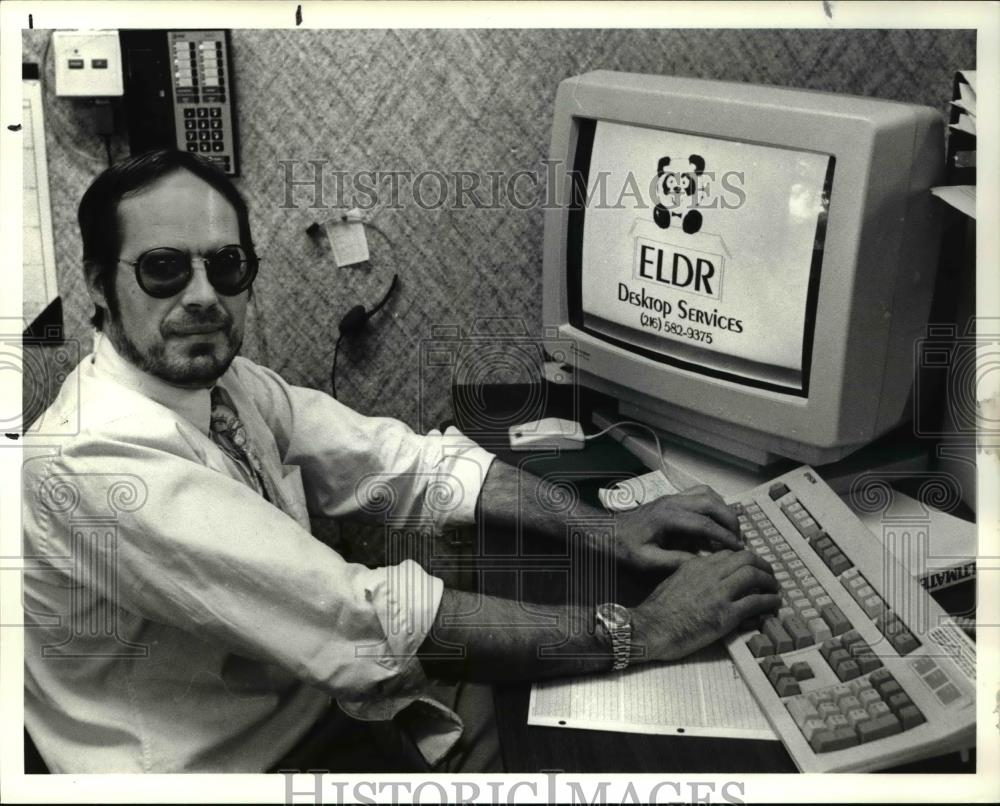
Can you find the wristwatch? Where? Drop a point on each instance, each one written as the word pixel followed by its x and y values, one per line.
pixel 616 621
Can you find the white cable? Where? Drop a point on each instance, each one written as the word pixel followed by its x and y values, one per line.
pixel 656 438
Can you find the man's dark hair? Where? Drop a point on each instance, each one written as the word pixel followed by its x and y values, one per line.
pixel 98 212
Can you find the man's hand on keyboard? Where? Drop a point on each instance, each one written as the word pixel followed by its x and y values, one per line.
pixel 657 537
pixel 703 600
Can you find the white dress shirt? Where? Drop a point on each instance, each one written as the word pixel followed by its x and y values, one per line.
pixel 176 620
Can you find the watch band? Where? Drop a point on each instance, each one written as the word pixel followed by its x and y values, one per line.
pixel 621 646
pixel 617 622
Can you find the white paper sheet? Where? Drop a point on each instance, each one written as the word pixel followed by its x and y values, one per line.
pixel 961 197
pixel 702 695
pixel 631 493
pixel 347 239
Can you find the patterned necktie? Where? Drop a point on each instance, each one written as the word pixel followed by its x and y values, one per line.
pixel 229 433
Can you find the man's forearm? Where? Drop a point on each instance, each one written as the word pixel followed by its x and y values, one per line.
pixel 485 638
pixel 513 497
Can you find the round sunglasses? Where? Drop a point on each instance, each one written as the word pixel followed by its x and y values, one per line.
pixel 165 271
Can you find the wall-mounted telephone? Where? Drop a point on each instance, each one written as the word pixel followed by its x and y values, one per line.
pixel 179 93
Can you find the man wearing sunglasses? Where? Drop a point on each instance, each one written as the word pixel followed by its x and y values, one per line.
pixel 183 617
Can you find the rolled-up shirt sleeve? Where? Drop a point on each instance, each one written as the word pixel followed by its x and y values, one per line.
pixel 376 466
pixel 181 544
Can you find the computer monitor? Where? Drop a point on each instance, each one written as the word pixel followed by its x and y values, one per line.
pixel 745 266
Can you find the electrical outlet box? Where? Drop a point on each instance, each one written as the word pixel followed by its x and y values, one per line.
pixel 88 64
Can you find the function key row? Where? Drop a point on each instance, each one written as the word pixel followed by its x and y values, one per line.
pixel 875 607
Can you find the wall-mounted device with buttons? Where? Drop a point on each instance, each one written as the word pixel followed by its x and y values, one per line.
pixel 87 64
pixel 179 93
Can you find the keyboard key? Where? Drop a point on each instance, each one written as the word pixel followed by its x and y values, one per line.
pixel 830 740
pixel 850 638
pixel 839 563
pixel 872 606
pixel 838 656
pixel 778 672
pixel 819 629
pixel 835 618
pixel 828 709
pixel 887 689
pixel 898 701
pixel 849 703
pixel 878 727
pixel 857 715
pixel 813 726
pixel 847 670
pixel 760 645
pixel 782 640
pixel 853 583
pixel 822 542
pixel 877 709
pixel 910 716
pixel 868 696
pixel 769 663
pixel 822 601
pixel 841 692
pixel 778 489
pixel 904 642
pixel 947 694
pixel 801 710
pixel 787 686
pixel 880 676
pixel 867 662
pixel 828 647
pixel 835 721
pixel 802 671
pixel 936 678
pixel 799 632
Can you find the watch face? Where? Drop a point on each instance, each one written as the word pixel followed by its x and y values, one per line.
pixel 614 615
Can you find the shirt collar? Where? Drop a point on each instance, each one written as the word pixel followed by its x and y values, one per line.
pixel 194 405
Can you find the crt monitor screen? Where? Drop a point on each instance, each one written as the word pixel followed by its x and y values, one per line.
pixel 700 252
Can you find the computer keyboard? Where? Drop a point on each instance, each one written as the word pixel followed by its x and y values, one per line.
pixel 860 669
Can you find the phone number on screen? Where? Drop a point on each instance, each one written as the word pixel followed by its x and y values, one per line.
pixel 668 328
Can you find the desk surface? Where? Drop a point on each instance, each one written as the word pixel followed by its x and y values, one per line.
pixel 529 748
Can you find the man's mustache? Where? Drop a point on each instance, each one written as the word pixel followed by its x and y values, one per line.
pixel 215 318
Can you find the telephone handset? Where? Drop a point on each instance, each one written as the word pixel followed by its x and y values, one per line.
pixel 179 93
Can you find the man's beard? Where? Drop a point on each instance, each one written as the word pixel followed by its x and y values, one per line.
pixel 201 365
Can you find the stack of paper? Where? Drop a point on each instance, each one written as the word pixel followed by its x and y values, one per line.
pixel 966 103
pixel 961 150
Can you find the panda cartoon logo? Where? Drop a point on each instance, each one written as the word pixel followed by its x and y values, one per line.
pixel 673 189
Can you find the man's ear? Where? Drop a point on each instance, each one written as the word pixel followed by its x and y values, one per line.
pixel 92 275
